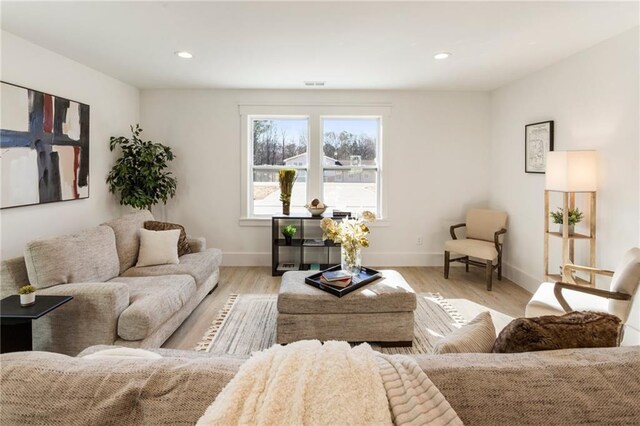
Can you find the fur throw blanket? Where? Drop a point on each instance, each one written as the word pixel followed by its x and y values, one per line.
pixel 307 383
pixel 568 331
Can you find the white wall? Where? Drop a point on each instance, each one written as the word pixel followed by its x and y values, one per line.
pixel 593 98
pixel 436 157
pixel 114 106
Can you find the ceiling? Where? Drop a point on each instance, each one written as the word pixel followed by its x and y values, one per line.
pixel 350 45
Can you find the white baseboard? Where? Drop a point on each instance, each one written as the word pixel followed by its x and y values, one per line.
pixel 246 258
pixel 370 258
pixel 521 278
pixel 403 259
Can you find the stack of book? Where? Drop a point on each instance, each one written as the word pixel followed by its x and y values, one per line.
pixel 340 279
pixel 341 213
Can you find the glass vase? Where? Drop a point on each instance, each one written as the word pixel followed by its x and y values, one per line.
pixel 350 260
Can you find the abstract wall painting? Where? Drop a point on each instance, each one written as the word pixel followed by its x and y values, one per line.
pixel 538 140
pixel 44 148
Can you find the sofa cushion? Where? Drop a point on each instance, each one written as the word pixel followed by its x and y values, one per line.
pixel 127 230
pixel 88 256
pixel 199 265
pixel 52 389
pixel 183 242
pixel 152 301
pixel 391 293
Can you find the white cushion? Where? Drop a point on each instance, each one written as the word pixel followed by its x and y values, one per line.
pixel 475 248
pixel 544 302
pixel 158 247
pixel 477 336
pixel 625 280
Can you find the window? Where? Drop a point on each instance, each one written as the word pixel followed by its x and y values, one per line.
pixel 278 143
pixel 350 170
pixel 337 151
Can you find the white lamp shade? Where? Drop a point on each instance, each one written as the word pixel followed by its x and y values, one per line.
pixel 571 171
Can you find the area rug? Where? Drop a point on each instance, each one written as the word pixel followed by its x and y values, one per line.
pixel 247 323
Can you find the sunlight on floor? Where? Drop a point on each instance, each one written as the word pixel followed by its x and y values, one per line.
pixel 470 309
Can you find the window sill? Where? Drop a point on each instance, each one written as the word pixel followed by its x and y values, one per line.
pixel 266 221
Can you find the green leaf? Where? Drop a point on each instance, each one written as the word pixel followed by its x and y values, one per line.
pixel 140 176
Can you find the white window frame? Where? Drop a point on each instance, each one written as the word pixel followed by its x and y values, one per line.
pixel 377 168
pixel 252 167
pixel 314 113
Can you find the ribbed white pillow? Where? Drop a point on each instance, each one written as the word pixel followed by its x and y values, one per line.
pixel 477 336
pixel 158 247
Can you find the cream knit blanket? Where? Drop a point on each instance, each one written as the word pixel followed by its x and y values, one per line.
pixel 308 383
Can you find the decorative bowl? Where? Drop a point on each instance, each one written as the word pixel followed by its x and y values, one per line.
pixel 315 211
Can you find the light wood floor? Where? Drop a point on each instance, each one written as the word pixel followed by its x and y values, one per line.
pixel 466 291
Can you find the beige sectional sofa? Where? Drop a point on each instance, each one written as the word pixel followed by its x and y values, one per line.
pixel 115 302
pixel 564 387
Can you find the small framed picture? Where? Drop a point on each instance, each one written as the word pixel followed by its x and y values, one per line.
pixel 538 140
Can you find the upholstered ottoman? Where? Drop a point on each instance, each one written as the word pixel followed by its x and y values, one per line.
pixel 378 312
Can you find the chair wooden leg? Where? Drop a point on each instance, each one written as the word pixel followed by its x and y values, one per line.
pixel 500 268
pixel 446 264
pixel 466 266
pixel 489 273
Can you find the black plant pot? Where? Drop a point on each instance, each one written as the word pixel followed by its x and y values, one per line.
pixel 287 240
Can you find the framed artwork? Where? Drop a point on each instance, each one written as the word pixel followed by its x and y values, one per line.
pixel 538 140
pixel 44 147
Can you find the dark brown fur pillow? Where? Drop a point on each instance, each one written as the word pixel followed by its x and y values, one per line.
pixel 572 330
pixel 183 244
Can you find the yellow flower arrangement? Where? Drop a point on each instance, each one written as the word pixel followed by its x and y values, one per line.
pixel 351 234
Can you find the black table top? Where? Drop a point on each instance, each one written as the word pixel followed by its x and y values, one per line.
pixel 10 306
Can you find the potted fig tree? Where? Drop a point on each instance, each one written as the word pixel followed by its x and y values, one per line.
pixel 140 176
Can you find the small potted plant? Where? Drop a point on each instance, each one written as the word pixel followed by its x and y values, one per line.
pixel 27 295
pixel 574 215
pixel 289 231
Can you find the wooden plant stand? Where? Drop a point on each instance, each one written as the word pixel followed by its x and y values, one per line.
pixel 568 241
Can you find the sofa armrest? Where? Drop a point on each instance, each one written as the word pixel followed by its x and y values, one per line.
pixel 197 244
pixel 91 318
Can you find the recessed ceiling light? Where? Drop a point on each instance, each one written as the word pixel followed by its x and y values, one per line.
pixel 183 54
pixel 441 55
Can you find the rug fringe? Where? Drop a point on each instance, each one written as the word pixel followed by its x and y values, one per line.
pixel 209 336
pixel 448 307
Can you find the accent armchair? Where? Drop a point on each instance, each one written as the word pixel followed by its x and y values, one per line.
pixel 561 297
pixel 483 241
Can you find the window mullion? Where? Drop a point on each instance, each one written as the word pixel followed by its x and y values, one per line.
pixel 314 171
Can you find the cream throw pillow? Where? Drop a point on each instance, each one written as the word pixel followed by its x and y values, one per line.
pixel 158 247
pixel 477 336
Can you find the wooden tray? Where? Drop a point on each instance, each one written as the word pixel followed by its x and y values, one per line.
pixel 366 276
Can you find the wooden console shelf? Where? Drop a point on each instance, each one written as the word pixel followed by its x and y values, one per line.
pixel 304 223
